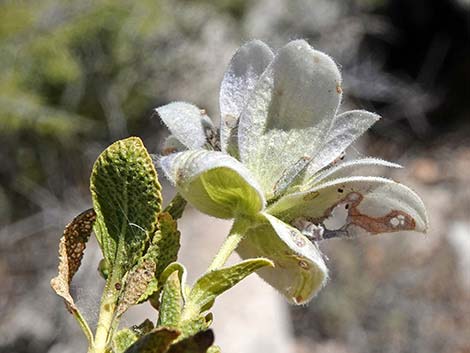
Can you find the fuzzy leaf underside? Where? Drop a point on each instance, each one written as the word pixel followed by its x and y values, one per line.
pixel 71 248
pixel 127 200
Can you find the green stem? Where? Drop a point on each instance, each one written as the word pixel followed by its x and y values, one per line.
pixel 107 317
pixel 107 312
pixel 234 238
pixel 84 326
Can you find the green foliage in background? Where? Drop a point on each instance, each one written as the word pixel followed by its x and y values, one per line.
pixel 76 75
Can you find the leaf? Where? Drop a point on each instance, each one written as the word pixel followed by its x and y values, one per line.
pixel 71 248
pixel 127 200
pixel 157 341
pixel 124 338
pixel 186 122
pixel 214 182
pixel 289 113
pixel 137 282
pixel 172 300
pixel 362 205
pixel 241 76
pixel 299 271
pixel 176 207
pixel 167 241
pixel 214 283
pixel 199 343
pixel 346 128
pixel 142 280
pixel 214 349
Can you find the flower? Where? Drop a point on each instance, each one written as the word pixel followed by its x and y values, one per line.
pixel 274 167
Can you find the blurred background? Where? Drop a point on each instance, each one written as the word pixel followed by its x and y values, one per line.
pixel 78 75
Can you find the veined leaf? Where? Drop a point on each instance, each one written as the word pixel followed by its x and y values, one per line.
pixel 172 301
pixel 127 200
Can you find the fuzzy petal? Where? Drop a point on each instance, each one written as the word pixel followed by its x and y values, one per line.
pixel 299 270
pixel 172 145
pixel 365 205
pixel 357 167
pixel 290 111
pixel 187 123
pixel 346 128
pixel 214 183
pixel 243 72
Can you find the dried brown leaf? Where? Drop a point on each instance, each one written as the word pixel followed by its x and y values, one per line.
pixel 71 248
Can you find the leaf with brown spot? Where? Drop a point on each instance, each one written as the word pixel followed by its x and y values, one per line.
pixel 71 248
pixel 137 282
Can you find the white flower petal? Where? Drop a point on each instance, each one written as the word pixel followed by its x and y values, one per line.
pixel 289 112
pixel 299 271
pixel 172 145
pixel 350 168
pixel 369 205
pixel 243 72
pixel 346 128
pixel 214 183
pixel 186 122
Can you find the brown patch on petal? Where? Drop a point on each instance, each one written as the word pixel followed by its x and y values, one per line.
pixel 393 221
pixel 298 239
pixel 169 150
pixel 339 90
pixel 71 248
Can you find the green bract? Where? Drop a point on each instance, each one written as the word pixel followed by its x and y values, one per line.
pixel 274 166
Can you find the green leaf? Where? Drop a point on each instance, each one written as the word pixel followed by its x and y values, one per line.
pixel 199 343
pixel 157 341
pixel 214 349
pixel 127 200
pixel 214 283
pixel 176 207
pixel 193 325
pixel 163 251
pixel 167 239
pixel 170 309
pixel 124 338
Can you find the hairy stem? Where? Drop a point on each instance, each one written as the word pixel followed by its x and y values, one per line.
pixel 230 244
